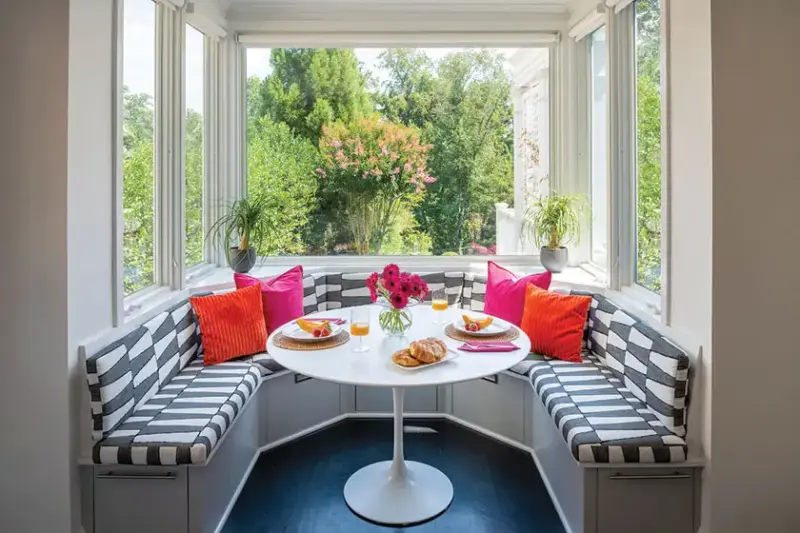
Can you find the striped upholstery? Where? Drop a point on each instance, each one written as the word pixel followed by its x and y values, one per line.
pixel 349 290
pixel 474 292
pixel 601 420
pixel 648 364
pixel 183 422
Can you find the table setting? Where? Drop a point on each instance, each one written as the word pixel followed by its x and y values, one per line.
pixel 411 336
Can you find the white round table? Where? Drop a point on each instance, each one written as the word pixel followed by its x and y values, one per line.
pixel 396 492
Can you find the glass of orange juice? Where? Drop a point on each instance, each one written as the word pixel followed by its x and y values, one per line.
pixel 359 326
pixel 439 304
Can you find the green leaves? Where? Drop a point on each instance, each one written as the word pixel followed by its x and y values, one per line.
pixel 554 220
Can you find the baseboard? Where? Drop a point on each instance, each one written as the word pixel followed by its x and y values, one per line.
pixel 552 493
pixel 303 433
pixel 488 433
pixel 238 491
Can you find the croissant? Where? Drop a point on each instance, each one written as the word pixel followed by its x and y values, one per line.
pixel 428 350
pixel 403 358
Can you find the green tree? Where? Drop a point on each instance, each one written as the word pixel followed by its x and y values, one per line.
pixel 470 129
pixel 138 188
pixel 280 170
pixel 311 87
pixel 372 171
pixel 195 236
pixel 648 143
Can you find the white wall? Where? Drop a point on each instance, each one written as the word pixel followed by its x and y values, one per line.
pixel 756 260
pixel 89 197
pixel 690 232
pixel 35 418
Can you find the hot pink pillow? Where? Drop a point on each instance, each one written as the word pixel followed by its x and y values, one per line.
pixel 505 293
pixel 282 296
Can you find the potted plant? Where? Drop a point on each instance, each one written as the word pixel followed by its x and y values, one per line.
pixel 245 224
pixel 551 222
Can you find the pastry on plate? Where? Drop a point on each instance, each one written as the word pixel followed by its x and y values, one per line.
pixel 430 350
pixel 403 358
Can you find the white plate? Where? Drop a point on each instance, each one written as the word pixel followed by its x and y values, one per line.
pixel 449 356
pixel 293 331
pixel 495 328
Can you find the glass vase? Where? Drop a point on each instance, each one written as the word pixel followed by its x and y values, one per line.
pixel 395 322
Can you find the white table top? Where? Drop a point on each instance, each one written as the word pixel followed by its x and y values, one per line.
pixel 375 368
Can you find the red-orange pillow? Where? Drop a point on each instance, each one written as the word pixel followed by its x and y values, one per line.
pixel 231 324
pixel 554 323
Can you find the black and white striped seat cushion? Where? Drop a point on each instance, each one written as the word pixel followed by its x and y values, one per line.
pixel 600 419
pixel 184 421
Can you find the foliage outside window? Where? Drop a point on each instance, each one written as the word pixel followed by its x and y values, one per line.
pixel 598 116
pixel 380 151
pixel 138 164
pixel 193 145
pixel 648 144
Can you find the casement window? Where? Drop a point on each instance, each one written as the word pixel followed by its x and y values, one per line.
pixel 194 143
pixel 164 157
pixel 138 145
pixel 620 44
pixel 397 151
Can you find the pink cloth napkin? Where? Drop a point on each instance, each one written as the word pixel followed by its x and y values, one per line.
pixel 337 321
pixel 488 346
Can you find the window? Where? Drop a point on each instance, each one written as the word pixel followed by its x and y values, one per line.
pixel 193 145
pixel 647 46
pixel 395 151
pixel 598 168
pixel 138 164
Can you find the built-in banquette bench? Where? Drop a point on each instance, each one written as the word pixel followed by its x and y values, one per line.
pixel 175 441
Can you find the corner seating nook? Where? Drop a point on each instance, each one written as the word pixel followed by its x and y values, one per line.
pixel 178 439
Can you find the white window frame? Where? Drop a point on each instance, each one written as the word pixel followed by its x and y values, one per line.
pixel 618 17
pixel 170 273
pixel 538 39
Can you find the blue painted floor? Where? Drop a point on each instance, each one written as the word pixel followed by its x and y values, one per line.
pixel 297 488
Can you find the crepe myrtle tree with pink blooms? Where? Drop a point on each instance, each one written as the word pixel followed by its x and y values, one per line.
pixel 395 290
pixel 374 169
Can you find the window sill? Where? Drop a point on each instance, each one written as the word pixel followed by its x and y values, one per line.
pixel 212 278
pixel 643 303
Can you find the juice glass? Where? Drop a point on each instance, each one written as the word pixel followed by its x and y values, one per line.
pixel 359 326
pixel 439 304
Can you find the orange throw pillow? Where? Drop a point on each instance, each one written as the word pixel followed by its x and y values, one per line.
pixel 554 323
pixel 231 324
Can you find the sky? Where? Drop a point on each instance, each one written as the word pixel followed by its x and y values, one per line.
pixel 139 54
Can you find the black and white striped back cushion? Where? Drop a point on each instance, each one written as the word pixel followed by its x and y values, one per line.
pixel 121 376
pixel 653 368
pixel 348 290
pixel 474 292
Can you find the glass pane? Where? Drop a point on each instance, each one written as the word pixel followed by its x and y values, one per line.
pixel 194 146
pixel 599 147
pixel 138 174
pixel 394 151
pixel 648 144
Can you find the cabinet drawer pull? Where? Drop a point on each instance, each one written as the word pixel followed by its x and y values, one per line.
pixel 152 477
pixel 491 379
pixel 299 378
pixel 676 475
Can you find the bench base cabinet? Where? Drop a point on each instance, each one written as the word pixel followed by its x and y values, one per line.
pixel 626 498
pixel 495 403
pixel 379 400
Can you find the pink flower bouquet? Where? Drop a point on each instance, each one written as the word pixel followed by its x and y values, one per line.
pixel 396 290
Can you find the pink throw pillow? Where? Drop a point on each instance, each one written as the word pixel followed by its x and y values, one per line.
pixel 505 293
pixel 282 296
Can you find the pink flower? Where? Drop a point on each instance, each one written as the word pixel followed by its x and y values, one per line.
pixel 398 300
pixel 416 285
pixel 429 179
pixel 384 150
pixel 337 143
pixel 391 283
pixel 373 294
pixel 407 167
pixel 393 156
pixel 391 271
pixel 372 280
pixel 405 288
pixel 340 154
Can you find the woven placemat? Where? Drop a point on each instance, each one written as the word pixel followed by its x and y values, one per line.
pixel 453 333
pixel 282 341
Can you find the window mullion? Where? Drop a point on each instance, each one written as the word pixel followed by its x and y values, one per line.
pixel 622 130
